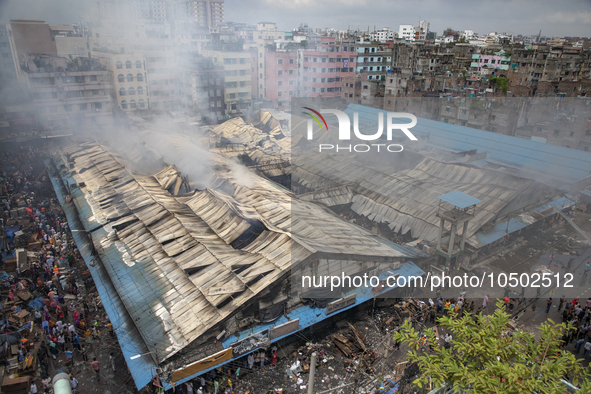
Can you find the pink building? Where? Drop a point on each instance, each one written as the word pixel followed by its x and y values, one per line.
pixel 323 69
pixel 281 74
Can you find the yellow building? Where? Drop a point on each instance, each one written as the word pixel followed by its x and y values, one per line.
pixel 237 86
pixel 129 79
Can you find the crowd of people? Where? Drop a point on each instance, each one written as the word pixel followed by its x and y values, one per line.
pixel 66 324
pixel 226 379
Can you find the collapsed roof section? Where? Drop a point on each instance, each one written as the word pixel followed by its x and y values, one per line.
pixel 182 264
pixel 267 146
pixel 407 199
pixel 405 194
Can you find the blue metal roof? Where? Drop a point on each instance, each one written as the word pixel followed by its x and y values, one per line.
pixel 543 160
pixel 483 238
pixel 459 199
pixel 143 368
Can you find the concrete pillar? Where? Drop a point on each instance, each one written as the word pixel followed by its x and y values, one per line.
pixel 441 229
pixel 452 238
pixel 464 230
pixel 312 370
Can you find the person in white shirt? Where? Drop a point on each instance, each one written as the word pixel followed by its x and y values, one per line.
pixel 33 388
pixel 587 349
pixel 73 382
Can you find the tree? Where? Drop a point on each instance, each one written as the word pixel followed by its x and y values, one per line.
pixel 486 357
pixel 500 82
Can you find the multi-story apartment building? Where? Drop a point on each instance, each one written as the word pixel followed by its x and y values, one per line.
pixel 382 35
pixel 7 63
pixel 485 64
pixel 373 60
pixel 207 13
pixel 201 87
pixel 68 95
pixel 129 79
pixel 422 31
pixel 152 10
pixel 323 69
pixel 261 37
pixel 407 32
pixel 238 79
pixel 281 73
pixel 29 36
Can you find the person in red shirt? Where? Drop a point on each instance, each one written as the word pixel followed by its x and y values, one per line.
pixel 96 365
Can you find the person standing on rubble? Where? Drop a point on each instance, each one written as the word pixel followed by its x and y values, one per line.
pixel 96 365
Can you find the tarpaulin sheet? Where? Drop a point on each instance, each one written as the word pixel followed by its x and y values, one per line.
pixel 37 303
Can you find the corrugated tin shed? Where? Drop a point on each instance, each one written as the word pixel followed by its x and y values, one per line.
pixel 407 199
pixel 536 160
pixel 182 264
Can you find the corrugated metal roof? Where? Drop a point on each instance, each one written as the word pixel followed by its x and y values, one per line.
pixel 407 199
pixel 563 165
pixel 129 338
pixel 483 238
pixel 149 242
pixel 459 199
pixel 309 315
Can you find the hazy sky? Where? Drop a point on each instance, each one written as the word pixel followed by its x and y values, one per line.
pixel 554 18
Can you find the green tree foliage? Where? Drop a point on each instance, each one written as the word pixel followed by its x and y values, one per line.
pixel 500 82
pixel 487 357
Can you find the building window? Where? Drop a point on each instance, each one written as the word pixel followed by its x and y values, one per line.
pixel 82 107
pixel 119 65
pixel 93 78
pixel 128 64
pixel 142 103
pixel 123 104
pixel 291 82
pixel 95 92
pixel 68 108
pixel 279 61
pixel 291 92
pixel 242 60
pixel 129 77
pixel 122 92
pixel 279 94
pixel 290 61
pixel 140 90
pixel 132 104
pixel 242 83
pixel 138 64
pixel 131 91
pixel 242 72
pixel 139 77
pixel 279 72
pixel 232 95
pixel 279 83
